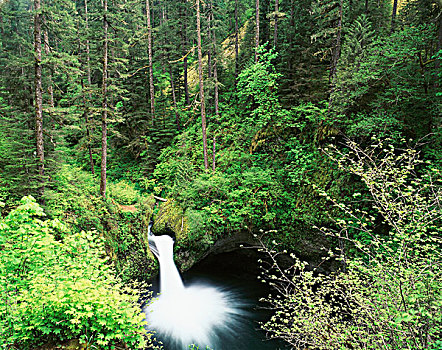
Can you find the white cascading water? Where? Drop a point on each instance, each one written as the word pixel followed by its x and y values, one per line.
pixel 194 314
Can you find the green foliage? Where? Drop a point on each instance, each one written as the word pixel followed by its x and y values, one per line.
pixel 125 232
pixel 74 199
pixel 242 200
pixel 242 193
pixel 217 203
pixel 385 84
pixel 59 290
pixel 196 347
pixel 388 293
pixel 267 159
pixel 16 161
pixel 257 92
pixel 123 192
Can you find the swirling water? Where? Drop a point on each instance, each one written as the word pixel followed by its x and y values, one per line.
pixel 201 313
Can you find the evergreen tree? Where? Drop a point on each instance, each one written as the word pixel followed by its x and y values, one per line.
pixel 39 94
pixel 89 87
pixel 149 45
pixel 105 103
pixel 201 83
pixel 256 29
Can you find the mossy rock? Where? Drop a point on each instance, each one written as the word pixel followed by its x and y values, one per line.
pixel 171 217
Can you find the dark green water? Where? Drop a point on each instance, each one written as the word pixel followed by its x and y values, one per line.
pixel 236 273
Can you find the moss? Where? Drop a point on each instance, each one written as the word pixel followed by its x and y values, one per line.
pixel 171 216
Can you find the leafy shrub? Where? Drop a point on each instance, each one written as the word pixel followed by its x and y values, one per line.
pixel 218 203
pixel 388 294
pixel 123 192
pixel 257 93
pixel 73 197
pixel 55 291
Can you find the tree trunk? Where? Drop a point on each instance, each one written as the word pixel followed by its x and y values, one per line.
pixel 275 34
pixel 337 48
pixel 149 43
pixel 209 63
pixel 209 50
pixel 186 86
pixel 215 69
pixel 200 74
pixel 215 77
pixel 163 20
pixel 438 48
pixel 88 134
pixel 236 42
pixel 292 25
pixel 38 97
pixel 214 153
pixel 257 30
pixel 393 16
pixel 172 86
pixel 335 57
pixel 104 113
pixel 89 83
pixel 88 50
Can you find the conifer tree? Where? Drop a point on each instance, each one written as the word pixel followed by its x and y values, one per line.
pixel 39 94
pixel 104 104
pixel 50 87
pixel 276 16
pixel 201 83
pixel 149 43
pixel 393 16
pixel 19 173
pixel 337 47
pixel 89 86
pixel 236 42
pixel 185 39
pixel 256 29
pixel 330 18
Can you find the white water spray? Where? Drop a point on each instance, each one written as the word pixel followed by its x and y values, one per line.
pixel 194 314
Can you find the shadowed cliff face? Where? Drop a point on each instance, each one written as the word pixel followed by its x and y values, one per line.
pixel 190 250
pixel 191 247
pixel 242 248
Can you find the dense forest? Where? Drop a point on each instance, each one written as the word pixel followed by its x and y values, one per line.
pixel 309 128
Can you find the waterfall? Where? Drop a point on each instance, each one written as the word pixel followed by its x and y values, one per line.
pixel 199 314
pixel 170 278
